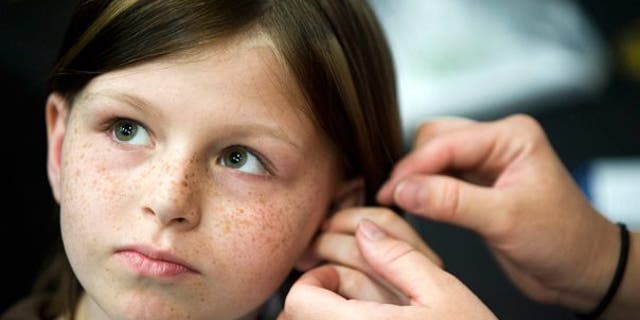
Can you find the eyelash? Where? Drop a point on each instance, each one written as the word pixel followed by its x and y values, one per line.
pixel 109 127
pixel 266 164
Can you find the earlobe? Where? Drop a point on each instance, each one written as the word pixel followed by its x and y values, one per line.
pixel 56 120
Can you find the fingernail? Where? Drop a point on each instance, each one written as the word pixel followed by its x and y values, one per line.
pixel 409 195
pixel 371 231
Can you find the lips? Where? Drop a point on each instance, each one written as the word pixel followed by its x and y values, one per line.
pixel 150 262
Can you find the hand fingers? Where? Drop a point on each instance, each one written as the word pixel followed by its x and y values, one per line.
pixel 453 201
pixel 399 263
pixel 357 285
pixel 342 249
pixel 316 295
pixel 482 151
pixel 346 221
pixel 313 296
pixel 416 276
pixel 430 129
pixel 433 293
pixel 463 149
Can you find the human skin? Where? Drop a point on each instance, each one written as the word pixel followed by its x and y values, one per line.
pixel 511 188
pixel 337 245
pixel 240 229
pixel 326 292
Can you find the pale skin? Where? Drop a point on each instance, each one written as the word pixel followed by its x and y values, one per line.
pixel 171 185
pixel 511 188
pixel 502 180
pixel 423 290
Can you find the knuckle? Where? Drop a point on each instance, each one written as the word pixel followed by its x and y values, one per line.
pixel 424 131
pixel 353 283
pixel 446 201
pixel 424 128
pixel 527 124
pixel 397 251
pixel 529 131
pixel 386 217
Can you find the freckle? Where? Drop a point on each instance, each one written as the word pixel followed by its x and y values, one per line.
pixel 226 228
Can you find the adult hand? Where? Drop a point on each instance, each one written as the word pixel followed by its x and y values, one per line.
pixel 431 292
pixel 337 244
pixel 503 180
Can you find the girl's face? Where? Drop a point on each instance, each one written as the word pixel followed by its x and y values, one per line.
pixel 188 187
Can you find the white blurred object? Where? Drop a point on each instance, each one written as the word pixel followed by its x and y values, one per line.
pixel 475 57
pixel 614 189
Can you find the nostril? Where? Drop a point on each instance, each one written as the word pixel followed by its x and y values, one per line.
pixel 181 220
pixel 148 210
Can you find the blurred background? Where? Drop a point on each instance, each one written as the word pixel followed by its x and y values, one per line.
pixel 573 65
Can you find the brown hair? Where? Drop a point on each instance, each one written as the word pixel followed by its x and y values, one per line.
pixel 335 49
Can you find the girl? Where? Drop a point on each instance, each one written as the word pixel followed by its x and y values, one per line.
pixel 195 147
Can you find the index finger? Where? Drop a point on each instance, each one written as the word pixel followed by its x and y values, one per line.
pixel 467 148
pixel 347 221
pixel 433 128
pixel 315 296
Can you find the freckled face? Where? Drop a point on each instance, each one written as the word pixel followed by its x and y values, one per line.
pixel 208 159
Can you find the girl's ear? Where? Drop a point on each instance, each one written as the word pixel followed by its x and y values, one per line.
pixel 350 193
pixel 56 119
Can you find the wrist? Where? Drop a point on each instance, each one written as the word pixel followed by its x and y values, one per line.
pixel 616 281
pixel 595 271
pixel 625 302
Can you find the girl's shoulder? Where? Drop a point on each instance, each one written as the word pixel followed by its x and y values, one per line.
pixel 29 308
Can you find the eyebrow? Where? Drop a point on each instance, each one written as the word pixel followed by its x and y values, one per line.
pixel 143 105
pixel 250 129
pixel 139 103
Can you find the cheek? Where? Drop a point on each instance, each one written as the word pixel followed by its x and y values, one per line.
pixel 270 232
pixel 88 193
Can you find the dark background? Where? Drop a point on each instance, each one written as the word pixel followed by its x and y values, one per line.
pixel 604 125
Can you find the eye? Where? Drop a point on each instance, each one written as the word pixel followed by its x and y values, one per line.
pixel 241 159
pixel 130 132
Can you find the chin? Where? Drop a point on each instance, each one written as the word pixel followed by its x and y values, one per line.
pixel 162 308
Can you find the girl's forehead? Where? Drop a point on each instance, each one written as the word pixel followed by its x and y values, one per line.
pixel 237 64
pixel 235 81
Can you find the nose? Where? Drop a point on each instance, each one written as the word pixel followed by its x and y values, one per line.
pixel 172 197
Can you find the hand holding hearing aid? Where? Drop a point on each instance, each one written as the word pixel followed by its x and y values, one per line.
pixel 503 180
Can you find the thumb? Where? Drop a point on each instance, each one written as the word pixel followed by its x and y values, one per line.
pixel 413 274
pixel 450 200
pixel 404 267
